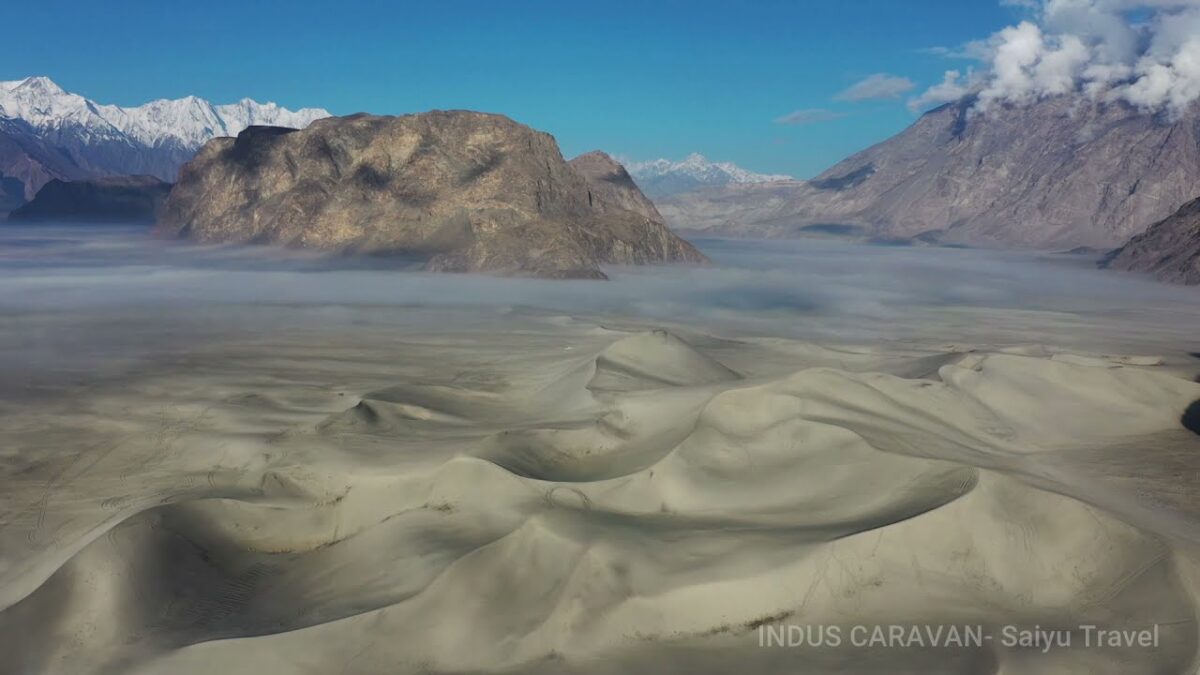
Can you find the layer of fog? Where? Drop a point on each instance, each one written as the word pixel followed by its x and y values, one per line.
pixel 73 295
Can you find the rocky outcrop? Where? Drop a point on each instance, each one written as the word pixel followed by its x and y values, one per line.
pixel 467 191
pixel 1058 173
pixel 1168 249
pixel 612 186
pixel 116 199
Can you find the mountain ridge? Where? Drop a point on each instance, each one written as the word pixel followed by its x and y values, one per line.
pixel 660 178
pixel 611 182
pixel 1059 172
pixel 49 133
pixel 108 199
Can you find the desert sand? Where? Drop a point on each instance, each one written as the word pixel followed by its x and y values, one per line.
pixel 203 474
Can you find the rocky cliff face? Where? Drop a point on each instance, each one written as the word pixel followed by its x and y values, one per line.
pixel 467 191
pixel 1060 172
pixel 116 199
pixel 612 186
pixel 1168 249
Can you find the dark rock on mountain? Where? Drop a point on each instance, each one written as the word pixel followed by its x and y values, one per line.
pixel 1061 172
pixel 116 199
pixel 1168 249
pixel 468 191
pixel 12 194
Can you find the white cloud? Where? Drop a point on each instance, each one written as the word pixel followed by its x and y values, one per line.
pixel 1146 52
pixel 1029 64
pixel 876 87
pixel 975 50
pixel 952 87
pixel 809 116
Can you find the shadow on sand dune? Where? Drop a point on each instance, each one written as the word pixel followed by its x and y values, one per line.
pixel 1191 418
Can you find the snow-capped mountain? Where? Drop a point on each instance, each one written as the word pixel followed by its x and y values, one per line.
pixel 663 177
pixel 47 133
pixel 188 121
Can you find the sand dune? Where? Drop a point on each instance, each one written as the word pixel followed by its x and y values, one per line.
pixel 597 500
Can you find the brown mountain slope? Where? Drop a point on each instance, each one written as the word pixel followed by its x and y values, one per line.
pixel 468 191
pixel 1057 173
pixel 1168 249
pixel 612 184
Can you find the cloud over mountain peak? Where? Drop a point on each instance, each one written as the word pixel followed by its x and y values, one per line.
pixel 1145 52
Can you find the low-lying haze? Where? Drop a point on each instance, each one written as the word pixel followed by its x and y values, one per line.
pixel 80 299
pixel 792 287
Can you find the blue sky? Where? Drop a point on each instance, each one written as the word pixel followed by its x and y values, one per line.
pixel 640 79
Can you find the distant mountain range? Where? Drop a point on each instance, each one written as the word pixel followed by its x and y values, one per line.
pixel 1063 171
pixel 47 133
pixel 1059 172
pixel 660 178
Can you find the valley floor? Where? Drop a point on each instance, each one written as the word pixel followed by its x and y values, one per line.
pixel 221 461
